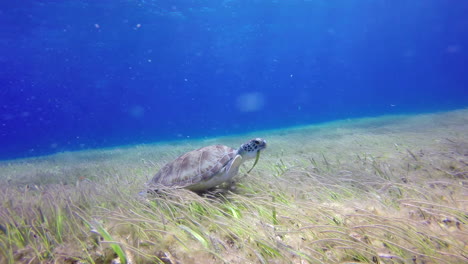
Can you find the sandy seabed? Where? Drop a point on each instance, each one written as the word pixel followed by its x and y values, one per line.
pixel 391 189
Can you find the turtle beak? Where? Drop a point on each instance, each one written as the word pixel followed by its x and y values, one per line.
pixel 262 144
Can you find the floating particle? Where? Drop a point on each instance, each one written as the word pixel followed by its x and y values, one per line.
pixel 137 111
pixel 250 102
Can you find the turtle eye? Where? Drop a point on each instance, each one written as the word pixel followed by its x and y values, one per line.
pixel 256 141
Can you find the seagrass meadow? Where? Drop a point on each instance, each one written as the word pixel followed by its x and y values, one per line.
pixel 392 189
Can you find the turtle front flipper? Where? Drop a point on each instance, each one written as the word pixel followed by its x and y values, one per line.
pixel 234 167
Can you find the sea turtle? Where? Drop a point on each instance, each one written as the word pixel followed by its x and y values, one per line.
pixel 207 167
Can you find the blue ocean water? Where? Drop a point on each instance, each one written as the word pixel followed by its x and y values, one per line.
pixel 85 74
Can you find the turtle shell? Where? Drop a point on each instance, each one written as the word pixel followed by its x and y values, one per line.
pixel 194 167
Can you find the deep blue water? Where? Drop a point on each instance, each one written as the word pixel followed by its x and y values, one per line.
pixel 84 74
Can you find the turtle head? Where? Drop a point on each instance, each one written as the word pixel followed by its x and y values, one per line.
pixel 250 149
